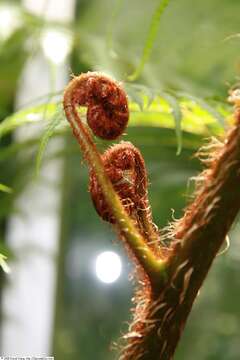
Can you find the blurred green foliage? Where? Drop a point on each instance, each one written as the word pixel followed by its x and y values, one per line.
pixel 182 88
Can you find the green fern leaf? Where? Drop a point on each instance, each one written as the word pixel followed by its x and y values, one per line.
pixel 135 96
pixel 204 105
pixel 148 94
pixel 48 133
pixel 152 33
pixel 5 189
pixel 29 115
pixel 177 114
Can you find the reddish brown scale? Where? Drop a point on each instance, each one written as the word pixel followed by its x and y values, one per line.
pixel 125 167
pixel 196 240
pixel 165 301
pixel 106 102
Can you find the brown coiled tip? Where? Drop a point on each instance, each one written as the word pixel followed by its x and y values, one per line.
pixel 107 103
pixel 125 168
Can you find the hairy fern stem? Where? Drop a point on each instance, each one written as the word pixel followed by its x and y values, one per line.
pixel 170 278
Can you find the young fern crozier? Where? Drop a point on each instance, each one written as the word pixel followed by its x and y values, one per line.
pixel 170 277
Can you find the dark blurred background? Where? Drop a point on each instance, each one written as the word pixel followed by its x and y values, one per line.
pixel 61 296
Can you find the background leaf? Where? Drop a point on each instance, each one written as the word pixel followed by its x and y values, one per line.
pixel 5 189
pixel 151 36
pixel 48 133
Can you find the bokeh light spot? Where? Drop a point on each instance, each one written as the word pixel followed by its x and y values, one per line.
pixel 108 267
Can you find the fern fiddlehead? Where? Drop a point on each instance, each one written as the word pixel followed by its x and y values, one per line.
pixel 106 103
pixel 118 184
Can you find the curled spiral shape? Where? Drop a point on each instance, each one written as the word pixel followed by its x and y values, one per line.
pixel 118 179
pixel 106 102
pixel 126 170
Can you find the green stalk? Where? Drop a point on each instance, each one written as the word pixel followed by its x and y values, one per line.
pixel 153 266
